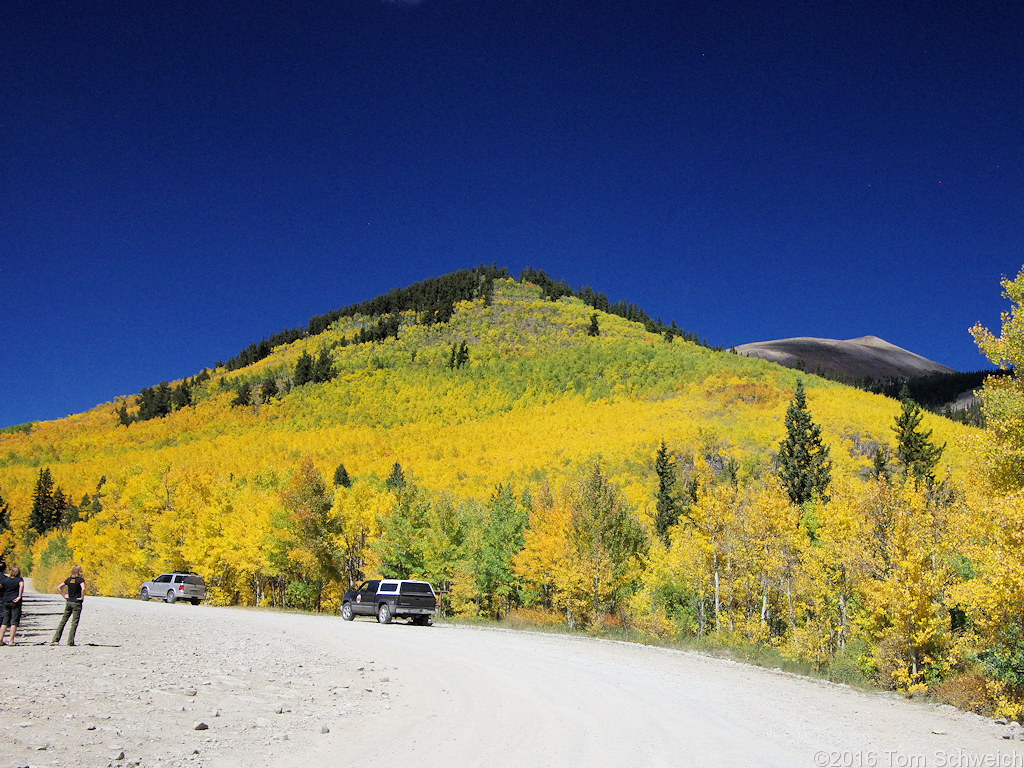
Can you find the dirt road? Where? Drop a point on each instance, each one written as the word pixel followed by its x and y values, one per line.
pixel 151 684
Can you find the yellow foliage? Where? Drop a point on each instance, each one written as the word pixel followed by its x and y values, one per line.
pixel 539 402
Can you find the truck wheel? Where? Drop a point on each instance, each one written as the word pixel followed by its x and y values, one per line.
pixel 346 611
pixel 195 601
pixel 384 613
pixel 144 594
pixel 171 597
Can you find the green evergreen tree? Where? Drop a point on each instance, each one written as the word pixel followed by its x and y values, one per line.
pixel 451 358
pixel 5 514
pixel 41 517
pixel 181 397
pixel 243 396
pixel 594 329
pixel 323 368
pixel 303 370
pixel 463 357
pixel 915 451
pixel 396 480
pixel 61 505
pixel 341 477
pixel 880 464
pixel 268 388
pixel 804 469
pixel 666 505
pixel 123 416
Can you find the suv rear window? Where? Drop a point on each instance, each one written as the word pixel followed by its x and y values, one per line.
pixel 415 588
pixel 193 579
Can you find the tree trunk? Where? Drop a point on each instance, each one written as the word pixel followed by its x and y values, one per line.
pixel 841 639
pixel 792 612
pixel 718 603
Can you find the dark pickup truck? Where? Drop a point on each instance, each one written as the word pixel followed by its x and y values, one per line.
pixel 390 598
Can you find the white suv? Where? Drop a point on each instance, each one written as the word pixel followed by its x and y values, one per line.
pixel 175 586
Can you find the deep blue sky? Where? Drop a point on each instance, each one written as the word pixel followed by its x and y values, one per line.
pixel 180 179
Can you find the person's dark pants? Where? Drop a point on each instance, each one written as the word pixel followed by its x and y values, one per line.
pixel 72 608
pixel 12 614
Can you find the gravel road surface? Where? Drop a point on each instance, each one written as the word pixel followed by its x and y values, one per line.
pixel 151 684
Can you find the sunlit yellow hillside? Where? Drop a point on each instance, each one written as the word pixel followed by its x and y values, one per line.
pixel 538 397
pixel 524 451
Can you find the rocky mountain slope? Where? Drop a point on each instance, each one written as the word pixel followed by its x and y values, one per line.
pixel 864 358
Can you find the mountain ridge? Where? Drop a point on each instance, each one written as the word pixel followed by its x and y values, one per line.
pixel 865 358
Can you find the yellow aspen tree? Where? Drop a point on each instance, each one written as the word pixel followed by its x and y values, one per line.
pixel 835 566
pixel 549 562
pixel 106 547
pixel 773 540
pixel 310 548
pixel 359 510
pixel 704 536
pixel 1003 396
pixel 909 575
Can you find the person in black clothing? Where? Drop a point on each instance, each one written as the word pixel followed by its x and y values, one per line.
pixel 73 591
pixel 13 589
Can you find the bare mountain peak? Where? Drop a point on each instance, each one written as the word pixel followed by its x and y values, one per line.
pixel 866 357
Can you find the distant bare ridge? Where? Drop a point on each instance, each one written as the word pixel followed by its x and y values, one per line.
pixel 868 357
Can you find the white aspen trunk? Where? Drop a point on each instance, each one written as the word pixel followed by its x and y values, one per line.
pixel 764 589
pixel 792 612
pixel 841 641
pixel 732 590
pixel 718 601
pixel 912 650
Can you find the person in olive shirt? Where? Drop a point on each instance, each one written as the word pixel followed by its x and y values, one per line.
pixel 13 589
pixel 73 591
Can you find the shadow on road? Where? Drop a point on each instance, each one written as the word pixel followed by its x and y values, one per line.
pixel 40 615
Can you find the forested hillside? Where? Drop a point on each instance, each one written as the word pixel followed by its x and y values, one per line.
pixel 528 451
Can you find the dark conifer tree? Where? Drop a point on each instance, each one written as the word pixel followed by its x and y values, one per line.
pixel 396 480
pixel 61 505
pixel 666 506
pixel 805 470
pixel 323 368
pixel 303 370
pixel 463 357
pixel 268 388
pixel 880 465
pixel 5 514
pixel 181 397
pixel 163 399
pixel 914 449
pixel 341 477
pixel 41 516
pixel 593 330
pixel 243 395
pixel 123 417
